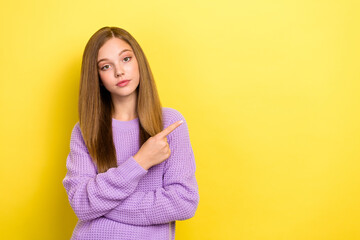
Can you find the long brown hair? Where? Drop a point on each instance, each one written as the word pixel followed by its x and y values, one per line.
pixel 96 107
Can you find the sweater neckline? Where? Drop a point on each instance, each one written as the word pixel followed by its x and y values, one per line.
pixel 132 124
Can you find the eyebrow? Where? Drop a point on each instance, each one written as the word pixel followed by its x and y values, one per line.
pixel 103 59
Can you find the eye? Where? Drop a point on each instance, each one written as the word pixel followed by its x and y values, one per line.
pixel 126 58
pixel 104 67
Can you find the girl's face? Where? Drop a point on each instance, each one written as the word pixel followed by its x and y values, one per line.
pixel 116 62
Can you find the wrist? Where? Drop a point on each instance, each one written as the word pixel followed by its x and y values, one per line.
pixel 143 163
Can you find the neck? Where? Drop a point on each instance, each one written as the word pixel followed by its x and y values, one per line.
pixel 125 107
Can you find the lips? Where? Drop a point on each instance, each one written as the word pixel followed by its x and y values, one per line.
pixel 122 81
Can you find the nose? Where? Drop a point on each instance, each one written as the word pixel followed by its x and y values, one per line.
pixel 119 71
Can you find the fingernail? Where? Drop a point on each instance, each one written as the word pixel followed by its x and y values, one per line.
pixel 181 121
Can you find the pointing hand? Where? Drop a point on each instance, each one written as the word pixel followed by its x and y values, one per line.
pixel 156 149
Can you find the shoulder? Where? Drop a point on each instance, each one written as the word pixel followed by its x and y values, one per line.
pixel 76 135
pixel 171 115
pixel 76 131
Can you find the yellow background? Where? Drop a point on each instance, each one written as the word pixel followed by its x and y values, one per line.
pixel 270 91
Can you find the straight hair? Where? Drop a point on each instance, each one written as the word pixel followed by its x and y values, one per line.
pixel 96 107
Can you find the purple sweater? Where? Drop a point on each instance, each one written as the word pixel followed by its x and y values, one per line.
pixel 129 202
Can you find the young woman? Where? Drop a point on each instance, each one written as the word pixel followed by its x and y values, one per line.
pixel 131 167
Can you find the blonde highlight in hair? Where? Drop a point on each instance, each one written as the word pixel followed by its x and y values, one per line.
pixel 96 106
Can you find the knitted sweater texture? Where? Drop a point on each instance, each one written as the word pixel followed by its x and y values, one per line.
pixel 128 202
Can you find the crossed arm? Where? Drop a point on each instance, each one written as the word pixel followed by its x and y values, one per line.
pixel 176 200
pixel 92 195
pixel 112 194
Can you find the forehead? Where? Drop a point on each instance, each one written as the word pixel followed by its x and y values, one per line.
pixel 112 47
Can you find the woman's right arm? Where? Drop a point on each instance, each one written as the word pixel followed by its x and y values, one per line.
pixel 91 194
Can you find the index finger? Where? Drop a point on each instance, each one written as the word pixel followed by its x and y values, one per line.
pixel 169 129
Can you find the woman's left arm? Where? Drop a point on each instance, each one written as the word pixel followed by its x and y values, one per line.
pixel 177 199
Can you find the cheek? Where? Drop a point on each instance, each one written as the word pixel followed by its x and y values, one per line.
pixel 105 75
pixel 135 68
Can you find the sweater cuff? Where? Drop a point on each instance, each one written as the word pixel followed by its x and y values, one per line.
pixel 131 169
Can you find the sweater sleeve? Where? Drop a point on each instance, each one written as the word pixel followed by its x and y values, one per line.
pixel 93 194
pixel 177 199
